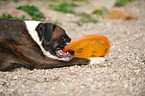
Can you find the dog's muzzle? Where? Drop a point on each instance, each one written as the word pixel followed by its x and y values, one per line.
pixel 65 56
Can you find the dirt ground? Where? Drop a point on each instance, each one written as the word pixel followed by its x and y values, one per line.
pixel 122 74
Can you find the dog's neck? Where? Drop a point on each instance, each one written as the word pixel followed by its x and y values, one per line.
pixel 31 26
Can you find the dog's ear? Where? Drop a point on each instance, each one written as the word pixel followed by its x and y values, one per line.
pixel 39 30
pixel 48 29
pixel 45 31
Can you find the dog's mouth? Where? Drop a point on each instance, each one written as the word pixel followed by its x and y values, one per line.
pixel 65 56
pixel 60 53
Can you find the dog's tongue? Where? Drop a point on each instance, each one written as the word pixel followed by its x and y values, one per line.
pixel 61 52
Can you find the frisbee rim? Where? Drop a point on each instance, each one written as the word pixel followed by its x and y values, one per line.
pixel 74 42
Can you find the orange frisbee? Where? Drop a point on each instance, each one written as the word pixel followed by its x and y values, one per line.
pixel 89 46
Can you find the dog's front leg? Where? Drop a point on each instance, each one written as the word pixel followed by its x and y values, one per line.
pixel 51 63
pixel 32 57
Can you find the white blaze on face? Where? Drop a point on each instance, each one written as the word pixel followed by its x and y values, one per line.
pixel 31 26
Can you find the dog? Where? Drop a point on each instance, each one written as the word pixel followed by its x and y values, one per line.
pixel 35 44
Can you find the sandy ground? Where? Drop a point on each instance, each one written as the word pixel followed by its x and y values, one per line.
pixel 122 74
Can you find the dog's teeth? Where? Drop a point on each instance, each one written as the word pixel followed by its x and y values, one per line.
pixel 68 54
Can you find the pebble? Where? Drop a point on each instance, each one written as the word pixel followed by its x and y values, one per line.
pixel 122 74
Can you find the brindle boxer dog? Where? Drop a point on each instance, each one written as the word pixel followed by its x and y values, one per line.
pixel 35 45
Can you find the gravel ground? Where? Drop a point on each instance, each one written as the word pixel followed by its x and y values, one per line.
pixel 122 74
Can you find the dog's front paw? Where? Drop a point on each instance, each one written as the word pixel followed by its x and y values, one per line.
pixel 96 60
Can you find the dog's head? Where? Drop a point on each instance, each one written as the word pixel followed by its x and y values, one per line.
pixel 53 39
